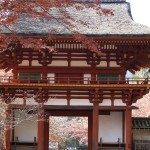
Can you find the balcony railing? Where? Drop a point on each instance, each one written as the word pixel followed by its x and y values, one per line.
pixel 141 144
pixel 74 80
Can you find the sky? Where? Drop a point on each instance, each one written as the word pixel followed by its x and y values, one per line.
pixel 140 11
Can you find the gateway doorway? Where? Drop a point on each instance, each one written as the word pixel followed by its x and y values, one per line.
pixel 68 133
pixel 69 129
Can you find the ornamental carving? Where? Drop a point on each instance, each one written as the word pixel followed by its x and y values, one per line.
pixel 93 59
pixel 96 96
pixel 44 57
pixel 131 96
pixel 41 96
pixel 7 95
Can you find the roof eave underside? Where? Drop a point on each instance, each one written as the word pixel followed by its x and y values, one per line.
pixel 142 36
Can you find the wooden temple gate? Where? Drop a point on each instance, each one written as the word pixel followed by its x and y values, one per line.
pixel 35 72
pixel 86 78
pixel 94 90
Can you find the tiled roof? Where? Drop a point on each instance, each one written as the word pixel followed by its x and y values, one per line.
pixel 104 1
pixel 120 23
pixel 112 1
pixel 141 123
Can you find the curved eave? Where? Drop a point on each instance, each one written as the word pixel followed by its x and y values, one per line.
pixel 90 35
pixel 118 37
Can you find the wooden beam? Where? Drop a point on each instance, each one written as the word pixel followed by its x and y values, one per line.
pixel 77 108
pixel 73 69
pixel 105 86
pixel 71 112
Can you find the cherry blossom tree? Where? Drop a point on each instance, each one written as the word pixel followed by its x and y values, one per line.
pixel 78 129
pixel 23 114
pixel 143 104
pixel 57 129
pixel 143 73
pixel 63 128
pixel 8 122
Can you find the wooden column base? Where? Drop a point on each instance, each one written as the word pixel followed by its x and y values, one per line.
pixel 128 128
pixel 47 134
pixel 41 135
pixel 90 132
pixel 95 127
pixel 7 132
pixel 42 126
pixel 7 143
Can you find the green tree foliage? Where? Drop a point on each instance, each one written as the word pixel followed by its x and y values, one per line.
pixel 143 73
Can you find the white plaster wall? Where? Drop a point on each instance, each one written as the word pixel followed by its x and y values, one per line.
pixel 26 130
pixel 141 134
pixel 87 77
pixel 24 63
pixel 31 101
pixel 113 64
pixel 102 64
pixel 17 101
pixel 79 64
pixel 111 127
pixel 118 102
pixel 35 63
pixel 51 77
pixel 53 101
pixel 80 102
pixel 58 63
pixel 106 102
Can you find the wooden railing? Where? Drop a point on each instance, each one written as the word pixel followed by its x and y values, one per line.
pixel 111 146
pixel 74 80
pixel 23 145
pixel 19 147
pixel 141 144
pixel 28 147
